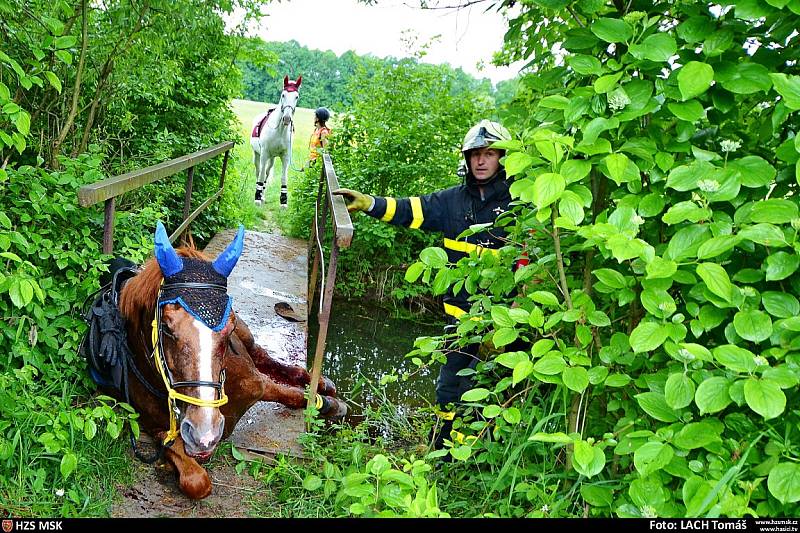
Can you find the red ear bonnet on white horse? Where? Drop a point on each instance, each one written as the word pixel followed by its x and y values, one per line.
pixel 290 85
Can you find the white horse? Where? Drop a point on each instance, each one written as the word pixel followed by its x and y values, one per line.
pixel 272 137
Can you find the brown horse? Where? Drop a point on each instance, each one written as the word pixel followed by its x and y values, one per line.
pixel 203 356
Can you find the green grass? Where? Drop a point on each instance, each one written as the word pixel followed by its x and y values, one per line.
pixel 271 215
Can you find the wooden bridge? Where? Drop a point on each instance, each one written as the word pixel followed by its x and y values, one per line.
pixel 272 270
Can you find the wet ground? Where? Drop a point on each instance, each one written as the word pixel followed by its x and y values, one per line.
pixel 272 269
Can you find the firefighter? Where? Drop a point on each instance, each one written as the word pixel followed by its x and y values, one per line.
pixel 482 196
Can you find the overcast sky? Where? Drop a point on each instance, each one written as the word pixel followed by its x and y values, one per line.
pixel 468 37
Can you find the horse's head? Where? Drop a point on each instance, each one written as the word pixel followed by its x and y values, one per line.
pixel 193 323
pixel 289 98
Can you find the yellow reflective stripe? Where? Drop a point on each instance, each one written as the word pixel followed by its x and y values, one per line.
pixel 391 207
pixel 453 311
pixel 318 403
pixel 467 247
pixel 456 312
pixel 416 212
pixel 445 415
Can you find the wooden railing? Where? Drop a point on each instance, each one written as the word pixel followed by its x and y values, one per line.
pixel 342 237
pixel 108 189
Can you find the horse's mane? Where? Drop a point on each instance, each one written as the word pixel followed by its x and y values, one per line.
pixel 138 299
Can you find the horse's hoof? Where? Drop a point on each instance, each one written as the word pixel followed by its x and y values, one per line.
pixel 284 199
pixel 259 202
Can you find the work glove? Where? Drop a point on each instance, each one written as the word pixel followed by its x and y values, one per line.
pixel 356 201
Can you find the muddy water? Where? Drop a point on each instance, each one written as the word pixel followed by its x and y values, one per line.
pixel 364 344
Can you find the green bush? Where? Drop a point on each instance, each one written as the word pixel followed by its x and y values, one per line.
pixel 657 170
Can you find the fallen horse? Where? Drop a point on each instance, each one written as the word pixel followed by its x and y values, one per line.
pixel 166 340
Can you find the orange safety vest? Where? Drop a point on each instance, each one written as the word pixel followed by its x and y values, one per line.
pixel 317 138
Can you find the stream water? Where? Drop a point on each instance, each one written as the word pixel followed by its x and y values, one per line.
pixel 365 343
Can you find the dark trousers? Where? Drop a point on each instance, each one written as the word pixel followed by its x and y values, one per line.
pixel 450 386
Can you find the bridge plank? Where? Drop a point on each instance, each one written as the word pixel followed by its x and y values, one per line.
pixel 272 269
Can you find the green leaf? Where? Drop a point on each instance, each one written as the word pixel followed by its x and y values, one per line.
pixel 694 78
pixel 755 171
pixel 64 56
pixel 764 397
pixel 575 169
pixel 764 234
pixel 501 316
pixel 617 165
pixel 735 358
pixel 557 438
pixel 695 29
pixel 312 482
pixel 716 279
pixel 512 415
pixel 595 466
pixel 475 395
pixel 774 211
pixel 690 111
pixel 658 302
pixel 659 48
pixel 54 81
pixel 547 189
pixel 686 177
pixel 599 319
pixel 712 395
pixel 604 84
pixel 679 390
pixel 610 277
pixel 717 245
pixel 516 162
pixel 433 257
pixel 504 336
pixel 743 78
pixel 753 325
pixel 781 265
pixel 780 304
pixel 414 271
pixel 550 365
pixel 544 298
pixel 789 89
pixel 656 406
pixel 575 378
pixel 585 65
pixel 660 268
pixel 784 482
pixel 69 462
pixel 22 121
pixel 647 336
pixel 612 30
pixel 66 41
pixel 617 380
pixel 652 457
pixel 696 435
pixel 521 371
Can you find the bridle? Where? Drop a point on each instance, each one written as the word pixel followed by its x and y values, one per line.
pixel 163 369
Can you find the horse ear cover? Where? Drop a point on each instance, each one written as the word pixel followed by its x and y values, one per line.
pixel 168 259
pixel 299 81
pixel 285 81
pixel 227 260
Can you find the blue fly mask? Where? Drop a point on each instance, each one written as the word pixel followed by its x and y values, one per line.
pixel 199 287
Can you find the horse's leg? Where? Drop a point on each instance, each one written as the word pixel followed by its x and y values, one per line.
pixel 193 479
pixel 296 376
pixel 264 170
pixel 295 398
pixel 286 162
pixel 259 188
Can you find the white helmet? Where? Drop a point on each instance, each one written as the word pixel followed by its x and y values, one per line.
pixel 483 134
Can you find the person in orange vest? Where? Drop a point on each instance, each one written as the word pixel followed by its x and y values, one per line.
pixel 320 136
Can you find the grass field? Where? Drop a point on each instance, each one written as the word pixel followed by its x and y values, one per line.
pixel 270 213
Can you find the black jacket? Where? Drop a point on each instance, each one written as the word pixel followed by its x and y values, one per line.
pixel 451 211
